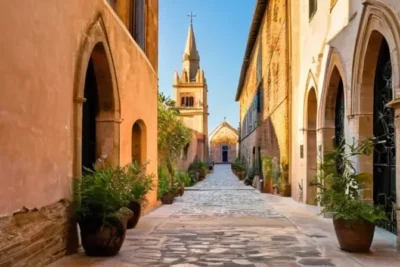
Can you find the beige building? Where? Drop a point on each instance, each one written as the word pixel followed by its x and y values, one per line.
pixel 263 90
pixel 345 74
pixel 223 144
pixel 335 77
pixel 79 83
pixel 190 94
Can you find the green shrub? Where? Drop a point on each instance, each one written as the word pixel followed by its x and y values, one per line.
pixel 340 184
pixel 142 183
pixel 163 181
pixel 183 178
pixel 101 193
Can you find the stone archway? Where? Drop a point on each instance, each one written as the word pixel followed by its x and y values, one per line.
pixel 331 116
pixel 311 145
pixel 376 61
pixel 139 142
pixel 97 104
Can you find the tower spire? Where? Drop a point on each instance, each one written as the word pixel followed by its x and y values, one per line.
pixel 191 58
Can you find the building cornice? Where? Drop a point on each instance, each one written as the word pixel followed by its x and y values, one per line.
pixel 258 16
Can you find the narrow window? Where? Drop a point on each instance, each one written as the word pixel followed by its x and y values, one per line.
pixel 259 62
pixel 138 22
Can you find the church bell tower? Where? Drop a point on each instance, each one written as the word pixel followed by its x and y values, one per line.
pixel 190 93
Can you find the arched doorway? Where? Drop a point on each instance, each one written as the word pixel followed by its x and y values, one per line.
pixel 89 115
pixel 334 115
pixel 375 93
pixel 139 142
pixel 384 156
pixel 98 110
pixel 311 137
pixel 225 153
pixel 376 82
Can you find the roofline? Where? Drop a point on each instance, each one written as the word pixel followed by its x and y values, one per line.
pixel 251 40
pixel 211 135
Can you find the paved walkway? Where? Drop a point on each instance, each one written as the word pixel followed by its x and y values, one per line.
pixel 221 222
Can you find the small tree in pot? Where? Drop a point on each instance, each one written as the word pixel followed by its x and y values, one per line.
pixel 165 191
pixel 101 196
pixel 141 185
pixel 341 194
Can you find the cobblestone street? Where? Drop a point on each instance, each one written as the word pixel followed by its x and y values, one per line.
pixel 221 222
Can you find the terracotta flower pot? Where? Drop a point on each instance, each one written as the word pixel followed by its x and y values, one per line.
pixel 168 198
pixel 135 207
pixel 286 190
pixel 181 191
pixel 268 186
pixel 354 236
pixel 103 238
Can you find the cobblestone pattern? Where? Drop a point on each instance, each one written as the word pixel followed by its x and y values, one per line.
pixel 254 246
pixel 223 195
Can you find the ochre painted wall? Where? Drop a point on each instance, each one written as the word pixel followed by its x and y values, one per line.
pixel 272 134
pixel 43 43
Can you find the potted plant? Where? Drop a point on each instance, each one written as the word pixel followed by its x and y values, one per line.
pixel 341 194
pixel 284 185
pixel 101 196
pixel 267 173
pixel 203 169
pixel 141 185
pixel 183 179
pixel 165 191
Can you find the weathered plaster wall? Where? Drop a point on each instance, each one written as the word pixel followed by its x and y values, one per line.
pixel 272 133
pixel 38 67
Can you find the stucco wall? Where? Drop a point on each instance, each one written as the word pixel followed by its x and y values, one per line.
pixel 313 41
pixel 42 47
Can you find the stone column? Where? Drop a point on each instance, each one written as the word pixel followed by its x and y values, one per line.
pixel 395 104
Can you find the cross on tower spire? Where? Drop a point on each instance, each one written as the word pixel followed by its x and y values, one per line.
pixel 191 15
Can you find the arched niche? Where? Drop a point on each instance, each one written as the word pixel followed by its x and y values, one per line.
pixel 311 107
pixel 139 143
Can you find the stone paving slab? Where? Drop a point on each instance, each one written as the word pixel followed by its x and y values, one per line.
pixel 222 222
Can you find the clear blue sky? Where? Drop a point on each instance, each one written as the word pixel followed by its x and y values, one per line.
pixel 221 29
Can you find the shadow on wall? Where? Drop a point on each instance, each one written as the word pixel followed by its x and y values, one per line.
pixel 268 140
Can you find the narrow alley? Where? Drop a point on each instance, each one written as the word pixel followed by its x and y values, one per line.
pixel 221 222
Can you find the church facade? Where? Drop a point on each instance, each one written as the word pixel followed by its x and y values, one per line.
pixel 223 144
pixel 79 84
pixel 190 93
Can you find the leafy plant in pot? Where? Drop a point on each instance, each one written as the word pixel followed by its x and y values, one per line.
pixel 284 185
pixel 165 191
pixel 101 196
pixel 141 185
pixel 267 173
pixel 203 169
pixel 341 194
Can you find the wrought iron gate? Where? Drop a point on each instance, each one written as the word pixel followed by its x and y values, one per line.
pixel 339 115
pixel 384 131
pixel 339 123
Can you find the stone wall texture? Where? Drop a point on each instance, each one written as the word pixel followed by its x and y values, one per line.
pixel 35 237
pixel 271 135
